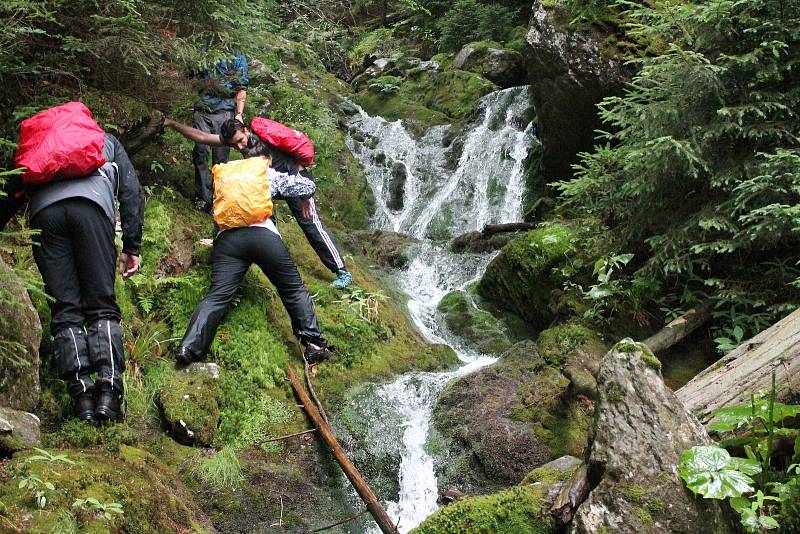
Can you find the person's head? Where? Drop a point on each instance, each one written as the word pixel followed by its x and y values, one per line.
pixel 234 134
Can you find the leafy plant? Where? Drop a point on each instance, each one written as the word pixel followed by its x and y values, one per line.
pixel 105 509
pixel 45 456
pixel 363 303
pixel 38 488
pixel 710 471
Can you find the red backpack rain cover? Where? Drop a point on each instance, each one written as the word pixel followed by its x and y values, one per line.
pixel 58 143
pixel 293 142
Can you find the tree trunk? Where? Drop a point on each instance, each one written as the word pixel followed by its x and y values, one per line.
pixel 373 504
pixel 681 327
pixel 748 369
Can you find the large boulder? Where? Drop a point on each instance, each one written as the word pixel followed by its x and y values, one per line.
pixel 521 278
pixel 569 75
pixel 190 406
pixel 640 431
pixel 386 249
pixel 493 426
pixel 20 334
pixel 18 430
pixel 502 66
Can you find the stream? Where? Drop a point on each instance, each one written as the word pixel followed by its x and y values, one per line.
pixel 435 187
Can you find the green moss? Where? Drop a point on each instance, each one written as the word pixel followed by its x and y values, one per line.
pixel 626 345
pixel 521 278
pixel 613 392
pixel 481 329
pixel 644 500
pixel 191 398
pixel 548 475
pixel 558 343
pixel 517 510
pixel 376 42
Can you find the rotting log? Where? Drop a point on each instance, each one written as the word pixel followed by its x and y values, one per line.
pixel 135 139
pixel 677 330
pixel 748 369
pixel 571 495
pixel 373 504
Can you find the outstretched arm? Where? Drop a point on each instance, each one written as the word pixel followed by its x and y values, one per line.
pixel 194 134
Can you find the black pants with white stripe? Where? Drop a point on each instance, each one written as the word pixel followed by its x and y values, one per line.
pixel 317 235
pixel 235 250
pixel 77 257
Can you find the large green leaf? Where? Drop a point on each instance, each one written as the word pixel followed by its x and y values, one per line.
pixel 711 472
pixel 741 415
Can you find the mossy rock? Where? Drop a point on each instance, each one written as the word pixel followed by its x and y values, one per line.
pixel 517 510
pixel 149 492
pixel 477 327
pixel 521 278
pixel 577 350
pixel 558 470
pixel 189 402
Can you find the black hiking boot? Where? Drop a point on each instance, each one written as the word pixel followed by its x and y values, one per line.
pixel 84 406
pixel 184 357
pixel 316 354
pixel 109 405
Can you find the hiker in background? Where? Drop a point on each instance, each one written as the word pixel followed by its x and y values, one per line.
pixel 234 133
pixel 249 235
pixel 75 249
pixel 223 93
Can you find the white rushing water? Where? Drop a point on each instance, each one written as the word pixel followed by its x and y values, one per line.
pixel 435 192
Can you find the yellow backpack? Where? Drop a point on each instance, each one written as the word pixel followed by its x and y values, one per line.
pixel 241 192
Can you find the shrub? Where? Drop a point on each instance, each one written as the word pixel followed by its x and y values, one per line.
pixel 470 20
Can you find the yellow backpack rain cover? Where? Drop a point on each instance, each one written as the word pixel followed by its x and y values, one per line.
pixel 241 192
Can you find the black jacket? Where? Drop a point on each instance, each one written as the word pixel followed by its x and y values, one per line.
pixel 117 179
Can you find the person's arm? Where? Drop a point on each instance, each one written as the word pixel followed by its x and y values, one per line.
pixel 289 185
pixel 241 97
pixel 10 199
pixel 198 136
pixel 131 210
pixel 244 83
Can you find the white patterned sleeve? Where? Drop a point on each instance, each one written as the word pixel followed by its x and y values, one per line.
pixel 289 185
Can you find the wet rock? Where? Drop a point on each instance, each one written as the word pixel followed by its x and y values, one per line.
pixel 569 75
pixel 500 65
pixel 480 329
pixel 640 431
pixel 386 249
pixel 492 237
pixel 259 73
pixel 21 330
pixel 190 407
pixel 578 351
pixel 450 495
pixel 521 279
pixel 18 430
pixel 397 186
pixel 493 426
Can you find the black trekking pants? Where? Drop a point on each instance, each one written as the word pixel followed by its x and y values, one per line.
pixel 209 123
pixel 234 251
pixel 77 257
pixel 317 235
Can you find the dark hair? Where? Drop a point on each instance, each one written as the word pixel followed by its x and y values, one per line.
pixel 229 129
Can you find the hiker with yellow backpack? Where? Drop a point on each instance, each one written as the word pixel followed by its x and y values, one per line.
pixel 243 193
pixel 290 151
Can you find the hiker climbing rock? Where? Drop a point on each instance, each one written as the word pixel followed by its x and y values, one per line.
pixel 248 234
pixel 289 152
pixel 223 93
pixel 73 172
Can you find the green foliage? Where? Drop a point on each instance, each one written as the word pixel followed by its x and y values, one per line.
pixel 470 20
pixel 105 509
pixel 712 472
pixel 222 470
pixel 38 488
pixel 45 456
pixel 698 174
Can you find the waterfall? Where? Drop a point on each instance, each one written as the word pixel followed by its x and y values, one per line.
pixel 435 187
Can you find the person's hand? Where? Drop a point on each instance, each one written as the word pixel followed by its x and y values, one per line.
pixel 307 207
pixel 128 264
pixel 239 117
pixel 168 123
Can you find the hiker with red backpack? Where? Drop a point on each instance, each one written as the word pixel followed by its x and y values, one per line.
pixel 290 151
pixel 243 212
pixel 73 172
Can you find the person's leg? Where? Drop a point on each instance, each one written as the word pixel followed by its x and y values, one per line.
pixel 219 154
pixel 320 240
pixel 202 173
pixel 96 260
pixel 271 255
pixel 229 265
pixel 55 259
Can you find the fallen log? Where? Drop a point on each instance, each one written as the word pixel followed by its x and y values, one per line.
pixel 677 330
pixel 748 369
pixel 135 139
pixel 571 496
pixel 373 504
pixel 481 241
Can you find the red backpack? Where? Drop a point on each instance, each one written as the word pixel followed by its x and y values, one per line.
pixel 58 143
pixel 293 142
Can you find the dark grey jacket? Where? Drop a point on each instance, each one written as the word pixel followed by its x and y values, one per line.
pixel 117 178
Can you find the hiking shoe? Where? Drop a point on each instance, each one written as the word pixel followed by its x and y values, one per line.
pixel 84 406
pixel 184 357
pixel 343 279
pixel 202 205
pixel 109 405
pixel 316 354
